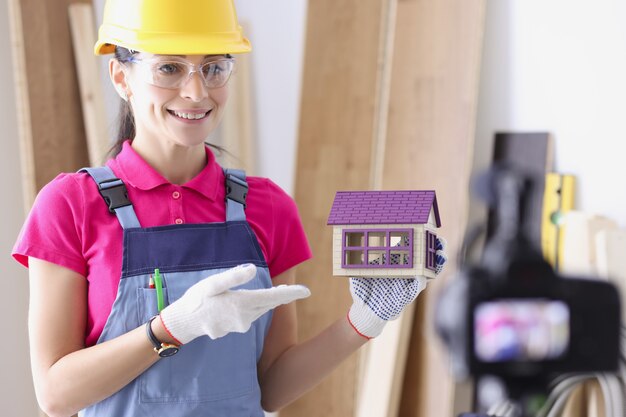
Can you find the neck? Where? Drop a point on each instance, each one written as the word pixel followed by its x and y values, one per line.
pixel 176 163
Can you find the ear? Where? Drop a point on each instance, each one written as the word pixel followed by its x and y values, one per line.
pixel 118 78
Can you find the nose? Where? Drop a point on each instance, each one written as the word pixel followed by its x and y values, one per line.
pixel 194 88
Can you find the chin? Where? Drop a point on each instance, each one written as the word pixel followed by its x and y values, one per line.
pixel 190 142
pixel 191 138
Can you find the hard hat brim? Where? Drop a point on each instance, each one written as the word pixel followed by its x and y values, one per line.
pixel 215 44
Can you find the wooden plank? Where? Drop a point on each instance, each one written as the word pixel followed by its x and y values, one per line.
pixel 378 388
pixel 22 103
pixel 400 168
pixel 84 37
pixel 586 400
pixel 579 242
pixel 50 122
pixel 430 140
pixel 52 137
pixel 383 367
pixel 338 113
pixel 237 127
pixel 384 358
pixel 596 406
pixel 575 404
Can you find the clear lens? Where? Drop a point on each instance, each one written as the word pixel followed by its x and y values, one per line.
pixel 217 73
pixel 168 73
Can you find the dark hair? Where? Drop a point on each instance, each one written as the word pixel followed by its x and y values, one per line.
pixel 126 120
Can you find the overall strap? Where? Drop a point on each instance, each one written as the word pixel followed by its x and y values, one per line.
pixel 236 192
pixel 115 195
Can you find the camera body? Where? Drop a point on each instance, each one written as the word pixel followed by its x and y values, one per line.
pixel 514 317
pixel 532 323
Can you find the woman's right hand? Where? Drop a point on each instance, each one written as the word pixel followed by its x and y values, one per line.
pixel 212 307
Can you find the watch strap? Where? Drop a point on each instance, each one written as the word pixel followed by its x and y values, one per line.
pixel 153 339
pixel 159 347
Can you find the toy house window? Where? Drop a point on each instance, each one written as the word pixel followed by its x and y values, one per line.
pixel 431 249
pixel 377 248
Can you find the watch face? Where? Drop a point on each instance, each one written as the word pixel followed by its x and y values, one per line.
pixel 168 351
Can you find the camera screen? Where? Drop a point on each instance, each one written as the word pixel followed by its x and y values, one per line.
pixel 521 330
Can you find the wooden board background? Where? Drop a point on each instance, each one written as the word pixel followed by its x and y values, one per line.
pixel 50 121
pixel 426 112
pixel 434 97
pixel 84 36
pixel 237 130
pixel 334 153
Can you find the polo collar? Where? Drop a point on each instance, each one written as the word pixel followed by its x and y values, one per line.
pixel 136 172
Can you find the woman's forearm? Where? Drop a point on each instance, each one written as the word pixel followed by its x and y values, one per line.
pixel 89 375
pixel 67 376
pixel 303 366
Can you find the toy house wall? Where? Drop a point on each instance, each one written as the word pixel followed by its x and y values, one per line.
pixel 431 219
pixel 419 251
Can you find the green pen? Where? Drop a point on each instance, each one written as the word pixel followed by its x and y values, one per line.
pixel 158 285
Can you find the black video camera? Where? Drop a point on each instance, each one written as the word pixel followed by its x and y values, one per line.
pixel 512 316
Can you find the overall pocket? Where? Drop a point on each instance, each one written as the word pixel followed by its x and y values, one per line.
pixel 204 369
pixel 147 303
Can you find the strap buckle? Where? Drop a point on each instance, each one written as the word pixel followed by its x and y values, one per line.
pixel 114 193
pixel 236 189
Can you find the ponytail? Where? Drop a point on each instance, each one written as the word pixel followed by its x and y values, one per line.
pixel 126 120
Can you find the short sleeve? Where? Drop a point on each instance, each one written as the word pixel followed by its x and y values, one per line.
pixel 289 245
pixel 52 230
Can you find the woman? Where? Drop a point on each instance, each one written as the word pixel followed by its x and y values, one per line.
pixel 162 284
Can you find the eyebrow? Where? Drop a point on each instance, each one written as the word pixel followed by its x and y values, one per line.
pixel 184 56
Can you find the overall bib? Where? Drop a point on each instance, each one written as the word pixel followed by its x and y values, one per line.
pixel 206 377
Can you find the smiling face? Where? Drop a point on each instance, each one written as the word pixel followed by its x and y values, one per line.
pixel 183 116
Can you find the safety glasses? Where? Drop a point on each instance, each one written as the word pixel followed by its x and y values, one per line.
pixel 172 72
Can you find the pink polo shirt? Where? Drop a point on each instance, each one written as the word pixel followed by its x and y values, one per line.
pixel 70 225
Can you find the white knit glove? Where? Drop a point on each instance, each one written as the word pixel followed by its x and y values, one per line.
pixel 211 307
pixel 379 300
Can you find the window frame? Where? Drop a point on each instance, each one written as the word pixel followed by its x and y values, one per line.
pixel 386 248
pixel 430 258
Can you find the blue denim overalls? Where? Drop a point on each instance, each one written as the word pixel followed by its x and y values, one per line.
pixel 206 377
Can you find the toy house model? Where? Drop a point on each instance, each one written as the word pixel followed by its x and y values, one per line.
pixel 384 233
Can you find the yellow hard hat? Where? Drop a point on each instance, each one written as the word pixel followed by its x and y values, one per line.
pixel 170 27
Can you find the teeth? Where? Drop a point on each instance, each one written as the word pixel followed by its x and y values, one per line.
pixel 190 116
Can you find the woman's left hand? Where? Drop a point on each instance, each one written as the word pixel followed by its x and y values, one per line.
pixel 379 300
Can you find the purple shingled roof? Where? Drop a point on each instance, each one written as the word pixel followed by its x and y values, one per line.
pixel 383 207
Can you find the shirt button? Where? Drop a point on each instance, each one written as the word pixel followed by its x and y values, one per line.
pixel 178 221
pixel 176 195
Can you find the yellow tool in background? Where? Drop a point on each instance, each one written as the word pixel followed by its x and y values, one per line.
pixel 558 199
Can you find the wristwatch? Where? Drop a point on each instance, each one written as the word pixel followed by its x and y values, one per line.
pixel 164 350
